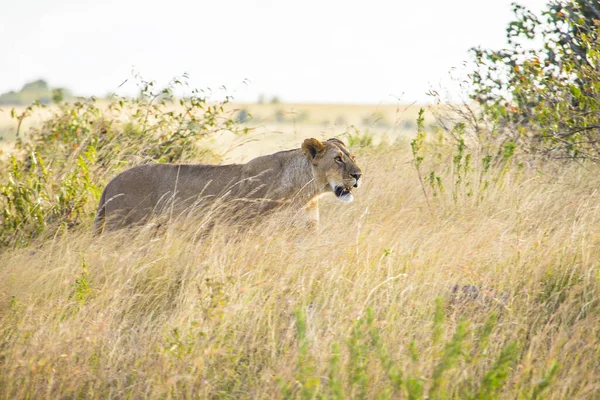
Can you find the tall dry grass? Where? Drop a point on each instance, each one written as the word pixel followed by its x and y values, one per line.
pixel 348 312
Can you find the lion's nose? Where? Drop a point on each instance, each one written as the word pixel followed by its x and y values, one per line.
pixel 356 176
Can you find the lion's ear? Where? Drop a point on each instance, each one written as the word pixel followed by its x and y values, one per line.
pixel 311 148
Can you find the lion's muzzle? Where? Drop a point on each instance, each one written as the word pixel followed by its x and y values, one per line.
pixel 356 177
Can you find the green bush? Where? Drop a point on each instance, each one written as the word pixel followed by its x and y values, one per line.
pixel 35 197
pixel 55 181
pixel 546 99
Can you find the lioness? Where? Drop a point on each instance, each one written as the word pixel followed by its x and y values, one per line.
pixel 288 178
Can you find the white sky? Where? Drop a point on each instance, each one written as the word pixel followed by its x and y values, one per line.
pixel 302 51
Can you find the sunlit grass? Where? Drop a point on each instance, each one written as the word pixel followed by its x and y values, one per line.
pixel 367 307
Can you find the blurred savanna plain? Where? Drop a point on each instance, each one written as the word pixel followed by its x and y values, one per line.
pixel 466 267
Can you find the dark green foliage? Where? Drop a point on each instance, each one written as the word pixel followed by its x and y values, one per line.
pixel 496 376
pixel 546 99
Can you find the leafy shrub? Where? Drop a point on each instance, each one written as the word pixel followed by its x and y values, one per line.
pixel 64 162
pixel 35 198
pixel 546 99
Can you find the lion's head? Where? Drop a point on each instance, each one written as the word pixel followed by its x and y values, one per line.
pixel 334 167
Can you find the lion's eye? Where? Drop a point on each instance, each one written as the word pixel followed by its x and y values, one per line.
pixel 338 159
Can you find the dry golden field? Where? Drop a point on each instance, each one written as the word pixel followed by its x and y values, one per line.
pixel 484 285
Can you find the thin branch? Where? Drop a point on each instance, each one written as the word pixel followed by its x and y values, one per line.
pixel 592 8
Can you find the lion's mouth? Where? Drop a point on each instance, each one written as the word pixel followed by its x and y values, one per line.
pixel 342 191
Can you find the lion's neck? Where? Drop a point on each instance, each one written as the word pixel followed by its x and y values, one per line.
pixel 284 178
pixel 299 177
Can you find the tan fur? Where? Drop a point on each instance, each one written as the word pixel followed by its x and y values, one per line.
pixel 293 178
